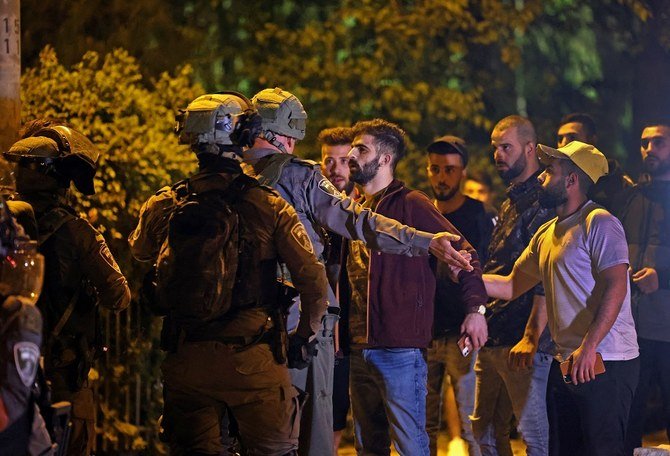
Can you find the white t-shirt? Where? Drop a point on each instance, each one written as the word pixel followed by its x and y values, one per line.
pixel 567 256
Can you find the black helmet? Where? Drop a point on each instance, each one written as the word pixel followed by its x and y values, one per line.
pixel 61 152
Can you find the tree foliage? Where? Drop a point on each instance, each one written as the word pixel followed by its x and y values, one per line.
pixel 130 120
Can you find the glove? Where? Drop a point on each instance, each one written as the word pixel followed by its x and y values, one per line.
pixel 300 351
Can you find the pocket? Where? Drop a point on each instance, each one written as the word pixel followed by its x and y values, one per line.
pixel 299 398
pixel 254 360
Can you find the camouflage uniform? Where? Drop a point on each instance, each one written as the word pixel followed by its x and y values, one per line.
pixel 208 372
pixel 319 205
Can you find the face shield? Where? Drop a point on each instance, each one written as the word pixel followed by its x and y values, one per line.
pixel 21 266
pixel 22 271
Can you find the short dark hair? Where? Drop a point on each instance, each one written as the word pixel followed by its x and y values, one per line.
pixel 389 137
pixel 583 118
pixel 336 136
pixel 585 182
pixel 524 126
pixel 656 122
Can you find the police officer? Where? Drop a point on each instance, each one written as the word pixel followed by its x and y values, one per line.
pixel 234 362
pixel 319 205
pixel 80 270
pixel 22 429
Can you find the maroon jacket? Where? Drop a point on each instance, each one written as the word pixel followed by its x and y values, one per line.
pixel 402 289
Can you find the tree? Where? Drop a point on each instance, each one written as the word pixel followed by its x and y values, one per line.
pixel 130 120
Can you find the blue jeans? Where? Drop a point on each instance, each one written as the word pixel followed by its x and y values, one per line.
pixel 526 389
pixel 388 400
pixel 445 358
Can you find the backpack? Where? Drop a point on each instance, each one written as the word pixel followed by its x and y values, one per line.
pixel 197 265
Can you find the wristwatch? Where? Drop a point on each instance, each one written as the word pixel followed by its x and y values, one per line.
pixel 481 310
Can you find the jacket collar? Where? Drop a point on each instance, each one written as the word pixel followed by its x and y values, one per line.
pixel 516 191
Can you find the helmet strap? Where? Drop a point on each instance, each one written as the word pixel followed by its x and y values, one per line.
pixel 272 139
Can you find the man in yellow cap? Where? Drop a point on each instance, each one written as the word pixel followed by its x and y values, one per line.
pixel 581 257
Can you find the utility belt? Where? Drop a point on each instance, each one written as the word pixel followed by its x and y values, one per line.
pixel 273 333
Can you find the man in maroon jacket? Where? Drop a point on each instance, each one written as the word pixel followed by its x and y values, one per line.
pixel 391 313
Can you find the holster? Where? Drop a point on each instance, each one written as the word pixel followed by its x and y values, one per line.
pixel 279 313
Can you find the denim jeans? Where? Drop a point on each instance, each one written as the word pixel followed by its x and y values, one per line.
pixel 526 389
pixel 388 400
pixel 445 358
pixel 590 419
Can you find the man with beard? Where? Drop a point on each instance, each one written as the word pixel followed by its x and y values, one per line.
pixel 509 368
pixel 335 146
pixel 447 161
pixel 610 191
pixel 391 312
pixel 646 220
pixel 320 206
pixel 581 257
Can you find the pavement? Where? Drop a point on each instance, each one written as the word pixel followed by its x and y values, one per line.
pixel 457 447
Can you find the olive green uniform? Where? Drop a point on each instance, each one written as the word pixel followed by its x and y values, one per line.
pixel 80 272
pixel 207 374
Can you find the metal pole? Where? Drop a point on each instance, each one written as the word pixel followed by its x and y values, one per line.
pixel 10 72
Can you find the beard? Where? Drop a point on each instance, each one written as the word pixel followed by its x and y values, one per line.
pixel 514 170
pixel 552 197
pixel 445 195
pixel 655 167
pixel 363 175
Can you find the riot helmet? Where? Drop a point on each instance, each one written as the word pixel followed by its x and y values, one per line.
pixel 220 123
pixel 61 153
pixel 282 114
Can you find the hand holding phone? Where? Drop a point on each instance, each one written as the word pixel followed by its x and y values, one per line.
pixel 465 344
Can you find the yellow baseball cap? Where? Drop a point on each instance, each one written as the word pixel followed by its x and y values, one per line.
pixel 585 156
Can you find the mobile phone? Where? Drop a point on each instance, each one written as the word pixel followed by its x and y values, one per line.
pixel 566 367
pixel 465 344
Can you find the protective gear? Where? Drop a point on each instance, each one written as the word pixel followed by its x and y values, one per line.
pixel 59 152
pixel 221 119
pixel 21 268
pixel 22 429
pixel 282 114
pixel 221 374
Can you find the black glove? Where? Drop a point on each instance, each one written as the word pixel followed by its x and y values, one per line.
pixel 300 351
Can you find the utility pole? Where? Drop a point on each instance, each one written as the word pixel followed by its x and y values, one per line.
pixel 10 72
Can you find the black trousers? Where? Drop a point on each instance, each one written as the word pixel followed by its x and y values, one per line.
pixel 590 419
pixel 654 368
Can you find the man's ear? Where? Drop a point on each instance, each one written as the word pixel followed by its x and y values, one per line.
pixel 570 180
pixel 530 149
pixel 385 159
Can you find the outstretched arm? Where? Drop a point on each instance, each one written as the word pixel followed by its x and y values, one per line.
pixel 508 287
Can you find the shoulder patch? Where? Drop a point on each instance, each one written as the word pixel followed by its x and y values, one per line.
pixel 300 235
pixel 26 360
pixel 327 187
pixel 105 253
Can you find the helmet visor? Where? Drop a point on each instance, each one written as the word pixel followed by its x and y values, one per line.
pixel 22 272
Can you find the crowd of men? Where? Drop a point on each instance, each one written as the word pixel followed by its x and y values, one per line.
pixel 292 292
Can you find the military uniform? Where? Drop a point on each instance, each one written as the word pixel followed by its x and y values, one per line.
pixel 319 205
pixel 80 272
pixel 209 372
